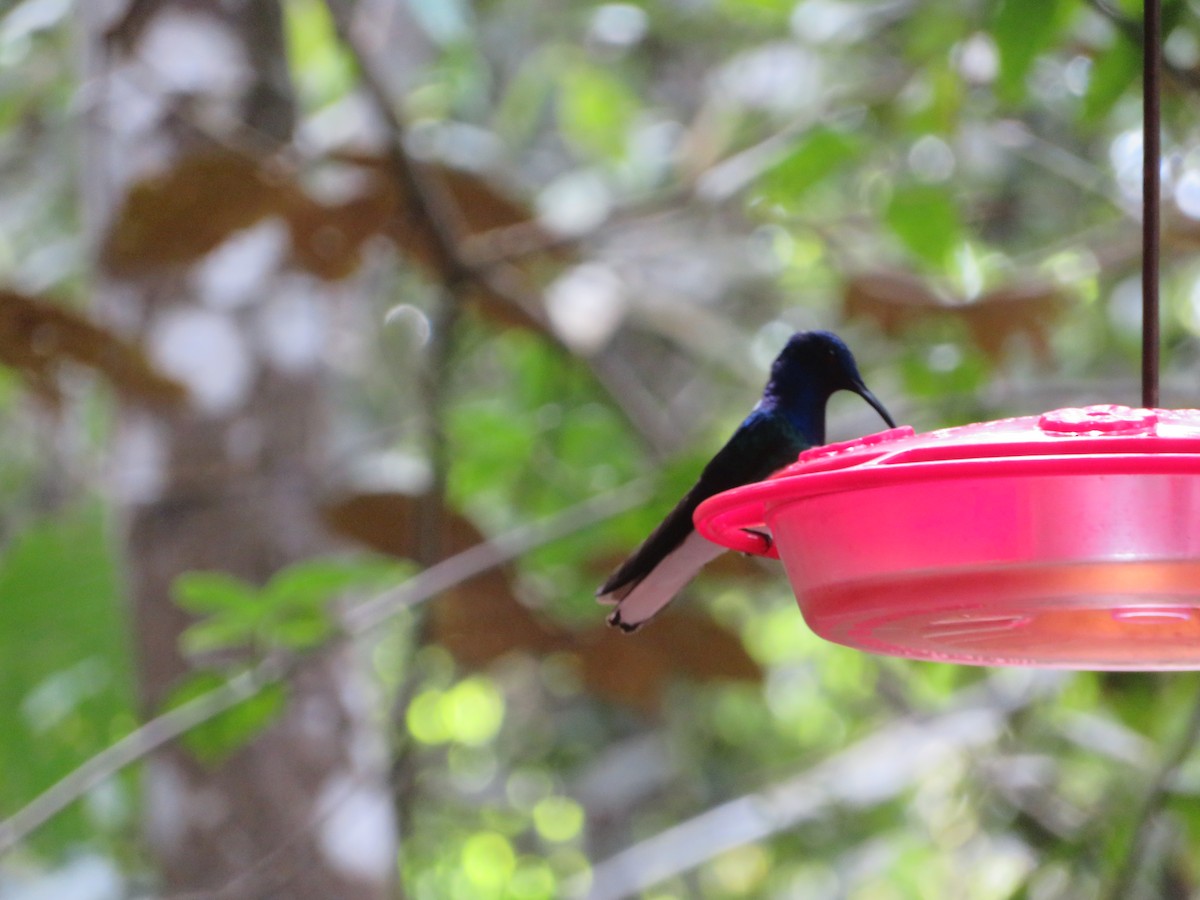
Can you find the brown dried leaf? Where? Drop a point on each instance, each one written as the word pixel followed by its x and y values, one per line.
pixel 388 521
pixel 1030 311
pixel 700 648
pixel 896 301
pixel 327 241
pixel 1179 232
pixel 481 206
pixel 478 206
pixel 178 217
pixel 182 215
pixel 480 211
pixel 482 620
pixel 621 669
pixel 477 621
pixel 38 336
pixel 634 670
pixel 482 625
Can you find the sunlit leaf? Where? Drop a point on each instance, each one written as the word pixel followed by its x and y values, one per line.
pixel 488 860
pixel 473 710
pixel 595 110
pixel 40 338
pixel 321 65
pixel 425 718
pixel 558 818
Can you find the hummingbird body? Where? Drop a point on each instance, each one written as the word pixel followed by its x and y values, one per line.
pixel 789 418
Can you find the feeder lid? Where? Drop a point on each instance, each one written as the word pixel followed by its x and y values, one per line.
pixel 1070 539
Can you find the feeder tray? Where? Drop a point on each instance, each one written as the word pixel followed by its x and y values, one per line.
pixel 1068 540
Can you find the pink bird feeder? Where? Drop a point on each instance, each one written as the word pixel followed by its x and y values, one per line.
pixel 1069 540
pixel 1065 540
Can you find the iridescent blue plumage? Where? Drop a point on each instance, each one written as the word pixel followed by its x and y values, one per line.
pixel 789 418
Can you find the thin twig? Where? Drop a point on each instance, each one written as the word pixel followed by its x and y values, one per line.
pixel 455 260
pixel 358 621
pixel 427 200
pixel 1156 793
pixel 490 554
pixel 134 746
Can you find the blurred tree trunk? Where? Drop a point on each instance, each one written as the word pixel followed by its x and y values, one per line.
pixel 230 482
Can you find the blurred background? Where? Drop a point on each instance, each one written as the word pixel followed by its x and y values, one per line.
pixel 347 346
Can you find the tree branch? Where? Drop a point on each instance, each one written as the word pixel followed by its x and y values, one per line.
pixel 896 755
pixel 134 746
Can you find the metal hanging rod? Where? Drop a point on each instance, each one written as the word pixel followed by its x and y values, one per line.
pixel 1151 191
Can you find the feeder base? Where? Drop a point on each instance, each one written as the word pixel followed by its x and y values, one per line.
pixel 1124 615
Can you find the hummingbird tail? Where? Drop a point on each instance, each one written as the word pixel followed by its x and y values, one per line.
pixel 638 604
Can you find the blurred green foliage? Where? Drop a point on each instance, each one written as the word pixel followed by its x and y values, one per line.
pixel 67 690
pixel 291 612
pixel 734 164
pixel 222 734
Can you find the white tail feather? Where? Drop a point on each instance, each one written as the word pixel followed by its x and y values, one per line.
pixel 663 582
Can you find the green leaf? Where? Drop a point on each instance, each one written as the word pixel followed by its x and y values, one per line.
pixel 969 374
pixel 1112 75
pixel 1118 69
pixel 1173 12
pixel 315 582
pixel 821 152
pixel 214 740
pixel 522 107
pixel 67 686
pixel 769 13
pixel 220 632
pixel 204 593
pixel 322 68
pixel 595 111
pixel 925 219
pixel 299 630
pixel 1023 30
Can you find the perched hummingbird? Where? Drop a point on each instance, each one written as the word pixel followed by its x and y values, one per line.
pixel 789 418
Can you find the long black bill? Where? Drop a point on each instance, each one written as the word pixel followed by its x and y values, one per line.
pixel 861 390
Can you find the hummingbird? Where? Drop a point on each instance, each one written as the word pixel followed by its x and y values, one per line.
pixel 789 418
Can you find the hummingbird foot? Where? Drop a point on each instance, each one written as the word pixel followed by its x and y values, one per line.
pixel 767 541
pixel 614 620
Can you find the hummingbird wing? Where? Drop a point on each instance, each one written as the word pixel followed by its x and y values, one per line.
pixel 673 553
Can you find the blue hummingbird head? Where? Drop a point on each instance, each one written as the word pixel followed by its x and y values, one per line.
pixel 813 366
